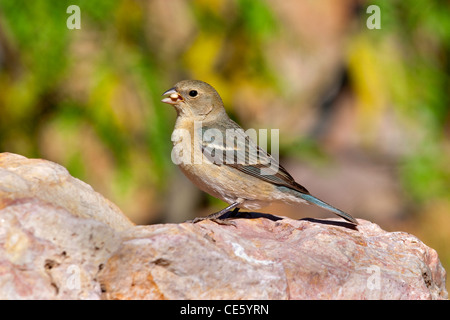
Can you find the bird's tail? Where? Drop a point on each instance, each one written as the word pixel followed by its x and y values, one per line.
pixel 326 206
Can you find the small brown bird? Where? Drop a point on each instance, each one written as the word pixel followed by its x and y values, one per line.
pixel 216 155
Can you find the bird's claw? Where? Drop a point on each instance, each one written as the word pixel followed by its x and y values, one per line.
pixel 224 222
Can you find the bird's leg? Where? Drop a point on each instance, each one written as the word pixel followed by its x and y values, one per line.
pixel 216 216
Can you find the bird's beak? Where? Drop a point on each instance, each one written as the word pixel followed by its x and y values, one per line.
pixel 173 98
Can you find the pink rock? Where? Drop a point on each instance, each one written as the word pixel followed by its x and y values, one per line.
pixel 266 259
pixel 48 253
pixel 55 231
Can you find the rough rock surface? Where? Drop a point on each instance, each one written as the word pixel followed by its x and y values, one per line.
pixel 266 259
pixel 55 231
pixel 59 239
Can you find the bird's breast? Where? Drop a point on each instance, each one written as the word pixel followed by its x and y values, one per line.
pixel 219 180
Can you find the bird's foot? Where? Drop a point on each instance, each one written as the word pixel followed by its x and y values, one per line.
pixel 224 222
pixel 216 217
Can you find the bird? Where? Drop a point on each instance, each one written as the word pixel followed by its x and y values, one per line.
pixel 216 154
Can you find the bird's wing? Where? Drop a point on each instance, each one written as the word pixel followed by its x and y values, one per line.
pixel 229 145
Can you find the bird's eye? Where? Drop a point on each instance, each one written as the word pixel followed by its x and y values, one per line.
pixel 193 93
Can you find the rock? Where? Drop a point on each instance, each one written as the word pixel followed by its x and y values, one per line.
pixel 59 239
pixel 265 259
pixel 55 231
pixel 48 253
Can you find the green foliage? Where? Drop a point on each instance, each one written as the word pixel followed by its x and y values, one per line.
pixel 420 91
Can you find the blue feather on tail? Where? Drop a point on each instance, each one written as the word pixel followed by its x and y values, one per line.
pixel 326 206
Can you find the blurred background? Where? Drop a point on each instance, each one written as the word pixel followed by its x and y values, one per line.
pixel 363 114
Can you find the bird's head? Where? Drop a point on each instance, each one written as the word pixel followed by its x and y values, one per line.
pixel 194 98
